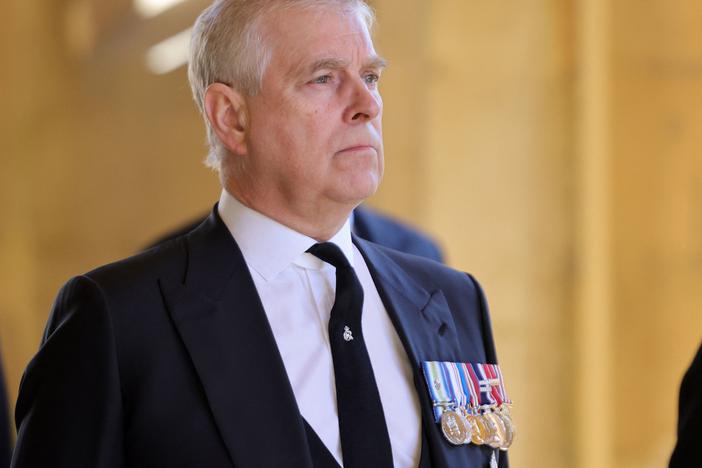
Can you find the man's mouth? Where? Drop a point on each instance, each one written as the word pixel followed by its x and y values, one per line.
pixel 357 149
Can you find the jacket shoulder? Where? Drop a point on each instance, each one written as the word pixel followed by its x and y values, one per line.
pixel 166 260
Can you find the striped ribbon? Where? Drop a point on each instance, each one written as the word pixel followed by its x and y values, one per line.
pixel 503 391
pixel 486 386
pixel 441 394
pixel 479 401
pixel 463 385
pixel 472 388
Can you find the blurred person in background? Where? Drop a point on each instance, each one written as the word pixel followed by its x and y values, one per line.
pixel 270 336
pixel 688 449
pixel 5 438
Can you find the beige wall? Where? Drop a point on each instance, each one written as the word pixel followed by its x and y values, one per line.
pixel 552 147
pixel 657 198
pixel 498 190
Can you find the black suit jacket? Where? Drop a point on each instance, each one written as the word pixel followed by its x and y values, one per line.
pixel 688 451
pixel 167 359
pixel 4 424
pixel 367 224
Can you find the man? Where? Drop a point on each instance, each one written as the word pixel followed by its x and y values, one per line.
pixel 5 446
pixel 268 336
pixel 687 451
pixel 365 223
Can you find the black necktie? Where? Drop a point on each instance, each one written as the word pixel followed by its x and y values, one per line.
pixel 365 442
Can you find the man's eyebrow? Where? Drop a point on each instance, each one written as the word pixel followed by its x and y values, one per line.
pixel 327 64
pixel 374 62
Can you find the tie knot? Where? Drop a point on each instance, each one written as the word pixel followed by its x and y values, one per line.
pixel 330 253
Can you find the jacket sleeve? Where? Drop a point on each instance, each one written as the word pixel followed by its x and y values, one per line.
pixel 69 409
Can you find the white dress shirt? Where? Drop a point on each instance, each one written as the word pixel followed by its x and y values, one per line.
pixel 297 291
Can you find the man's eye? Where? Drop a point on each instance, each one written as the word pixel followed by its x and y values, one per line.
pixel 371 78
pixel 322 79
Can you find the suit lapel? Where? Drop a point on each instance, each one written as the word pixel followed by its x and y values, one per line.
pixel 218 314
pixel 421 317
pixel 221 321
pixel 425 325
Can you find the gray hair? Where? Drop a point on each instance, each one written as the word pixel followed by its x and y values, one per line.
pixel 227 46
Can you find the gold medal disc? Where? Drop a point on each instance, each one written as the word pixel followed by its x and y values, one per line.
pixel 498 432
pixel 480 429
pixel 510 429
pixel 455 427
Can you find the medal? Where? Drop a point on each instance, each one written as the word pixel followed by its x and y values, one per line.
pixel 510 429
pixel 470 403
pixel 455 427
pixel 498 432
pixel 480 433
pixel 455 420
pixel 498 413
pixel 500 396
pixel 481 430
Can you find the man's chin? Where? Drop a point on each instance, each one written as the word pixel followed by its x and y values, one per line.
pixel 352 200
pixel 357 188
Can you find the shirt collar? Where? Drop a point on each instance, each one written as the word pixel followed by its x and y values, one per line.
pixel 270 247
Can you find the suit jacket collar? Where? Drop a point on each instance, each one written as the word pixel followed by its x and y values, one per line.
pixel 221 321
pixel 421 316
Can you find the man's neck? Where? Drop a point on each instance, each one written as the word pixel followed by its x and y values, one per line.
pixel 318 222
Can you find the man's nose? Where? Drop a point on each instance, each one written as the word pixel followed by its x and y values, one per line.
pixel 365 103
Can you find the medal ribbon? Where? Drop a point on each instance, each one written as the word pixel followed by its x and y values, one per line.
pixel 484 383
pixel 503 391
pixel 469 385
pixel 492 375
pixel 476 384
pixel 459 393
pixel 463 385
pixel 438 387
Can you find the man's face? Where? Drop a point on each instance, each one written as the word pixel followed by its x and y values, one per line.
pixel 314 131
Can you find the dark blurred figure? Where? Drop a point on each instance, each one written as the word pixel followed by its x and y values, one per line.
pixel 688 450
pixel 4 424
pixel 367 224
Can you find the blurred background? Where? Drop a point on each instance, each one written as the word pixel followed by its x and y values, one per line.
pixel 552 147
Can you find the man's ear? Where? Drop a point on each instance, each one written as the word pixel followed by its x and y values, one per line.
pixel 226 111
